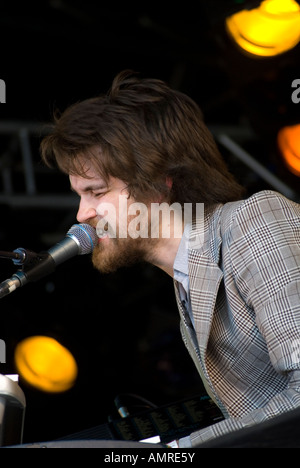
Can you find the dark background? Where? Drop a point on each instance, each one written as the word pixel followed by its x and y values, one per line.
pixel 122 328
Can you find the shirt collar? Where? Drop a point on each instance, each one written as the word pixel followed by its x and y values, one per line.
pixel 180 267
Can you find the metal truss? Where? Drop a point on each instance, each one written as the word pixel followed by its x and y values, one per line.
pixel 21 169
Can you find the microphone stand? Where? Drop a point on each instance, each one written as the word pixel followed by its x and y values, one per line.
pixel 9 255
pixel 34 266
pixel 21 256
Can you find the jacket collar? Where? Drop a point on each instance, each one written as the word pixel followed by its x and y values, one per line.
pixel 205 273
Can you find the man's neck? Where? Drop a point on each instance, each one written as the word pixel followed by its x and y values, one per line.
pixel 163 250
pixel 164 254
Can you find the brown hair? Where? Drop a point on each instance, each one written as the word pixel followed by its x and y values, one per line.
pixel 143 132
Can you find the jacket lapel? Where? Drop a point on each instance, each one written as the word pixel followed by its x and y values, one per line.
pixel 205 279
pixel 196 349
pixel 205 276
pixel 205 273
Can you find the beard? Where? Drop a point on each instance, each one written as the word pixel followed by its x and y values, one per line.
pixel 115 253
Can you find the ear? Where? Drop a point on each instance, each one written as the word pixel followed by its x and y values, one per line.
pixel 169 182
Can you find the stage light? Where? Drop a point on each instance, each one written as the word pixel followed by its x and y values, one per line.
pixel 289 144
pixel 45 364
pixel 270 29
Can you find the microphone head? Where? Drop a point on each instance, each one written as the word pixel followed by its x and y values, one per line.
pixel 85 236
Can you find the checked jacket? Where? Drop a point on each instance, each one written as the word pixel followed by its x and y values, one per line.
pixel 244 280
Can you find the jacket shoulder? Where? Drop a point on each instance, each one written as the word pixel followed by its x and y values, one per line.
pixel 266 206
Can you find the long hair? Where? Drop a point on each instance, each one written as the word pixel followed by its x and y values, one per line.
pixel 144 133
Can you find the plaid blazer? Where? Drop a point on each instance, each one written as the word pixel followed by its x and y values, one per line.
pixel 245 298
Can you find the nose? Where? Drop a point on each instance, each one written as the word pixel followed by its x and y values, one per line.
pixel 85 212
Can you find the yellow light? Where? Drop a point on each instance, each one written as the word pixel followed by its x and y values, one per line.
pixel 289 144
pixel 270 29
pixel 46 364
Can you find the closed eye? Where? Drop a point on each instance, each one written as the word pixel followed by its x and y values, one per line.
pixel 98 194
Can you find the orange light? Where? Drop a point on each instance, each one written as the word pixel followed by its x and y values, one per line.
pixel 270 29
pixel 288 139
pixel 46 364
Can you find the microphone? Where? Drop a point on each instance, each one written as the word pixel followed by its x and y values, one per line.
pixel 80 240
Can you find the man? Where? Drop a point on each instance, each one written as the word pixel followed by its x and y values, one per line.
pixel 235 263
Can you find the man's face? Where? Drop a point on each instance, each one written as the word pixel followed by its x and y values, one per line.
pixel 108 208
